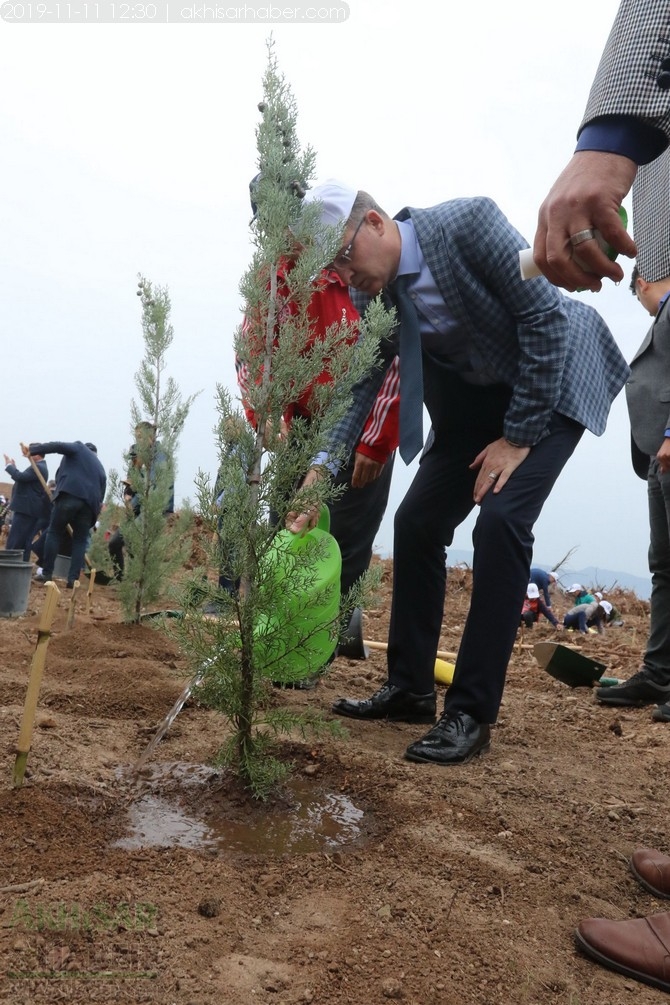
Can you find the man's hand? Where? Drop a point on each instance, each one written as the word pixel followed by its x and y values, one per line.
pixel 496 462
pixel 663 456
pixel 365 470
pixel 8 460
pixel 298 521
pixel 586 195
pixel 271 437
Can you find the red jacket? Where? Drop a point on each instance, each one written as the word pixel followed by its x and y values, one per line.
pixel 330 304
pixel 538 607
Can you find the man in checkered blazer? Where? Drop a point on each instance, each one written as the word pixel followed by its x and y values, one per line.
pixel 624 139
pixel 513 372
pixel 626 124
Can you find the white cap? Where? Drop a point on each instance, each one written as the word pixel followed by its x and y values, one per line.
pixel 336 199
pixel 599 595
pixel 532 592
pixel 575 588
pixel 606 606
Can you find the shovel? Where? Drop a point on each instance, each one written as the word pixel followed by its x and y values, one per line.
pixel 100 578
pixel 571 667
pixel 352 645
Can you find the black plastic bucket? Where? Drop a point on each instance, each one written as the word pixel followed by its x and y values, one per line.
pixel 15 580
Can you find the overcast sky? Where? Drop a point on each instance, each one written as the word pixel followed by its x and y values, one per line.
pixel 128 147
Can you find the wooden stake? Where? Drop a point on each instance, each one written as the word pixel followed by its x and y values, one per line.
pixel 34 682
pixel 383 646
pixel 89 592
pixel 73 601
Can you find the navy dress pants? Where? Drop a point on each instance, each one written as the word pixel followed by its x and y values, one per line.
pixel 657 655
pixel 22 532
pixel 355 518
pixel 68 509
pixel 465 419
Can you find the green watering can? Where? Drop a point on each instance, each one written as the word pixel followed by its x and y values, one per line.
pixel 302 579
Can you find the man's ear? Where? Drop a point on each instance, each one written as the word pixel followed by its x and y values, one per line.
pixel 376 221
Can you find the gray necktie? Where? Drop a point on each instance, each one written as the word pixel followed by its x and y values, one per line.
pixel 411 371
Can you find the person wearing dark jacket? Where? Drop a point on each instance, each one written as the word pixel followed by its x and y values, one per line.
pixel 27 503
pixel 649 413
pixel 543 580
pixel 77 501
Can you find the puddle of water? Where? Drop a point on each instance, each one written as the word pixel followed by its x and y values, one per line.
pixel 311 820
pixel 155 823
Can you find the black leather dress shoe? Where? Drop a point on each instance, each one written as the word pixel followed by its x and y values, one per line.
pixel 638 690
pixel 454 739
pixel 390 702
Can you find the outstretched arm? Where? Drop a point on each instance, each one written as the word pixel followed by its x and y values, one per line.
pixel 626 124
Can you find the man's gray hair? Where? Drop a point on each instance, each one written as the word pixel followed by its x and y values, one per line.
pixel 362 204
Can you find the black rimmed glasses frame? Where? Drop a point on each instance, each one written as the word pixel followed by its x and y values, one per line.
pixel 343 257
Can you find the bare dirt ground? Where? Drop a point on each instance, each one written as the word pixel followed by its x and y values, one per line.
pixel 374 879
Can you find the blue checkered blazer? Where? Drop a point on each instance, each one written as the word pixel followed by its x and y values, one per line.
pixel 554 351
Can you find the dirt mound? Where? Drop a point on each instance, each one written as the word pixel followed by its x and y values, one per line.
pixel 368 879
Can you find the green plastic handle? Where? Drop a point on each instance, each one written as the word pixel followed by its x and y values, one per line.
pixel 607 248
pixel 323 522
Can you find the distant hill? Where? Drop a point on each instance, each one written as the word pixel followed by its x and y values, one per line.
pixel 591 575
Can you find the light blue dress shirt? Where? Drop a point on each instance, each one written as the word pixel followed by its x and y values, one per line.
pixel 442 338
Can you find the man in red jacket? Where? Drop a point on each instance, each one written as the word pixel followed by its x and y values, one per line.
pixel 355 516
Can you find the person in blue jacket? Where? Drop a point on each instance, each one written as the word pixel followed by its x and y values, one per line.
pixel 543 580
pixel 77 500
pixel 27 503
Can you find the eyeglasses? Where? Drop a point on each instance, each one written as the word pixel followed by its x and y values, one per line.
pixel 343 258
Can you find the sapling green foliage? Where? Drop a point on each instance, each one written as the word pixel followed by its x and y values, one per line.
pixel 154 541
pixel 266 629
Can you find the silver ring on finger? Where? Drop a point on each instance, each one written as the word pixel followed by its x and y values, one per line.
pixel 581 236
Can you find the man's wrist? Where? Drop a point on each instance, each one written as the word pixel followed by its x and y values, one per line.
pixel 624 135
pixel 512 443
pixel 323 458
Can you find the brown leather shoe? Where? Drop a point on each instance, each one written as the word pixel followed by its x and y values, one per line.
pixel 638 947
pixel 652 870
